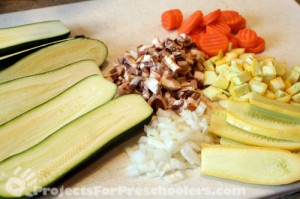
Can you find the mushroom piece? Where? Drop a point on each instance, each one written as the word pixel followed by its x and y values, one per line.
pixel 169 83
pixel 152 84
pixel 171 64
pixel 157 101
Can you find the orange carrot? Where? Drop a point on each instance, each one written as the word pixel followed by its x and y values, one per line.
pixel 241 25
pixel 247 38
pixel 260 46
pixel 211 17
pixel 232 18
pixel 218 26
pixel 190 23
pixel 234 41
pixel 171 19
pixel 212 43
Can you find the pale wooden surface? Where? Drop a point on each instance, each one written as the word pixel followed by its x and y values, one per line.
pixel 7 6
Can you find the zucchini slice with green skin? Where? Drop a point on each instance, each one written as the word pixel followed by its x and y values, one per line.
pixel 8 60
pixel 220 127
pixel 241 115
pixel 30 128
pixel 56 56
pixel 255 165
pixel 14 39
pixel 20 95
pixel 77 141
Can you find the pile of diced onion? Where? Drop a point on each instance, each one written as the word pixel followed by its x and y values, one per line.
pixel 171 145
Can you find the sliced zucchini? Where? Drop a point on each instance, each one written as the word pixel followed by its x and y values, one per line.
pixel 56 56
pixel 241 115
pixel 256 165
pixel 78 140
pixel 32 127
pixel 8 60
pixel 272 106
pixel 229 142
pixel 220 127
pixel 14 39
pixel 21 95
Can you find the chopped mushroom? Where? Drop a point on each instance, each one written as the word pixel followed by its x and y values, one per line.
pixel 166 73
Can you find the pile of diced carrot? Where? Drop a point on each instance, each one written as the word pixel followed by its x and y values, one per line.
pixel 218 30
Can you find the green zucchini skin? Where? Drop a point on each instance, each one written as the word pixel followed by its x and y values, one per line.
pixel 30 35
pixel 102 126
pixel 8 60
pixel 56 56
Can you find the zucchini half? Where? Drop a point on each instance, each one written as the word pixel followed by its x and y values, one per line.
pixel 56 56
pixel 35 125
pixel 18 38
pixel 20 95
pixel 71 145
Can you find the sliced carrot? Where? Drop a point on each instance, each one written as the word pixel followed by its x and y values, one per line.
pixel 232 18
pixel 171 19
pixel 247 38
pixel 211 17
pixel 234 41
pixel 218 26
pixel 190 23
pixel 260 47
pixel 241 25
pixel 212 43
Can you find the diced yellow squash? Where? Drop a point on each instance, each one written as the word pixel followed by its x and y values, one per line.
pixel 229 142
pixel 270 94
pixel 268 72
pixel 287 84
pixel 239 51
pixel 294 89
pixel 221 82
pixel 280 68
pixel 241 78
pixel 247 67
pixel 240 90
pixel 296 98
pixel 256 165
pixel 276 83
pixel 221 61
pixel 212 93
pixel 209 77
pixel 245 55
pixel 220 69
pixel 293 76
pixel 255 68
pixel 209 66
pixel 296 68
pixel 280 93
pixel 268 59
pixel 258 87
pixel 258 78
pixel 236 67
pixel 231 55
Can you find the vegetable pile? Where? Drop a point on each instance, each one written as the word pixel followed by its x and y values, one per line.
pixel 219 30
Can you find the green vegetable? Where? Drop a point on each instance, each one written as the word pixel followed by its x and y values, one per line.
pixel 20 95
pixel 56 56
pixel 65 149
pixel 14 39
pixel 30 128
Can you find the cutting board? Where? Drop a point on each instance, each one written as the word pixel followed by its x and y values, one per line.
pixel 123 25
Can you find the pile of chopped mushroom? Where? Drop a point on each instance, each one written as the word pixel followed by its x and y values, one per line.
pixel 167 74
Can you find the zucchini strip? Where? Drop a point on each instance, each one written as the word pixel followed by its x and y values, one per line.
pixel 78 140
pixel 35 125
pixel 18 38
pixel 20 95
pixel 56 56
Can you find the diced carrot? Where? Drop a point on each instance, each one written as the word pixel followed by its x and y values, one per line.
pixel 218 26
pixel 171 19
pixel 190 23
pixel 241 25
pixel 247 38
pixel 260 46
pixel 212 43
pixel 234 41
pixel 232 18
pixel 211 17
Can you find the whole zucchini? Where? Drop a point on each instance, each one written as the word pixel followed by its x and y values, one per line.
pixel 20 95
pixel 56 56
pixel 14 39
pixel 71 145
